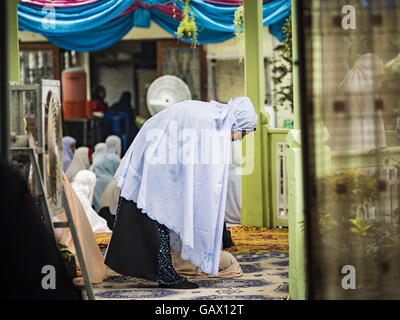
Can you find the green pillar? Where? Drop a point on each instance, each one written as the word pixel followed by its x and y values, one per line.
pixel 13 45
pixel 252 186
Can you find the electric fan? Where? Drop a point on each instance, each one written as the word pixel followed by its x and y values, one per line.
pixel 166 91
pixel 54 151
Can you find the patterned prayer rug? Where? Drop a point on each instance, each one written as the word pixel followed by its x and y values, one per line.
pixel 258 240
pixel 265 277
pixel 261 252
pixel 246 239
pixel 103 239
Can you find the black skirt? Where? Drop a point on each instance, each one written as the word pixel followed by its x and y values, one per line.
pixel 135 243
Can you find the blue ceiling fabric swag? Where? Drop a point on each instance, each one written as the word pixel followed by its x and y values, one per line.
pixel 141 18
pixel 95 25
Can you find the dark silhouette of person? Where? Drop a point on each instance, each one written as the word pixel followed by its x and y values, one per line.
pixel 124 105
pixel 98 95
pixel 30 252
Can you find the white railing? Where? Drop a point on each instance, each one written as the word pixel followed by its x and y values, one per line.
pixel 281 181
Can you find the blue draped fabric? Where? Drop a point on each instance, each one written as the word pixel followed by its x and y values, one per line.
pixel 215 21
pixel 98 25
pixel 155 2
pixel 205 35
pixel 96 39
pixel 70 20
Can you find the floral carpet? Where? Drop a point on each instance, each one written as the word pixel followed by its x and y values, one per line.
pixel 258 240
pixel 246 240
pixel 265 277
pixel 263 257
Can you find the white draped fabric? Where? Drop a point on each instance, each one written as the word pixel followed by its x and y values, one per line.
pixel 176 171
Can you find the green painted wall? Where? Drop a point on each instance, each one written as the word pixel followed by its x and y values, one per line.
pixel 13 45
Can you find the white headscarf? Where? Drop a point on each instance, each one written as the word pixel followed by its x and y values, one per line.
pixel 176 171
pixel 114 145
pixel 79 162
pixel 83 184
pixel 100 150
pixel 243 120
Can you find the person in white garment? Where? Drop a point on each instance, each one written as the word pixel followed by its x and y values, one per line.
pixel 83 184
pixel 173 182
pixel 234 195
pixel 100 150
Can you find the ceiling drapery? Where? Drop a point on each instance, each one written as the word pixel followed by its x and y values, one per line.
pixel 90 25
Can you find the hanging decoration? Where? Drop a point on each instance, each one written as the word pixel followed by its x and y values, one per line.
pixel 238 22
pixel 187 27
pixel 91 25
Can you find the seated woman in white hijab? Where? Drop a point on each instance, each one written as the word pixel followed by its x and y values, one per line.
pixel 174 178
pixel 81 161
pixel 68 144
pixel 104 171
pixel 100 150
pixel 83 185
pixel 114 145
pixel 93 257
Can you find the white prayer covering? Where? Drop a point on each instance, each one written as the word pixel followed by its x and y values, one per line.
pixel 234 194
pixel 79 162
pixel 176 171
pixel 100 150
pixel 114 145
pixel 83 185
